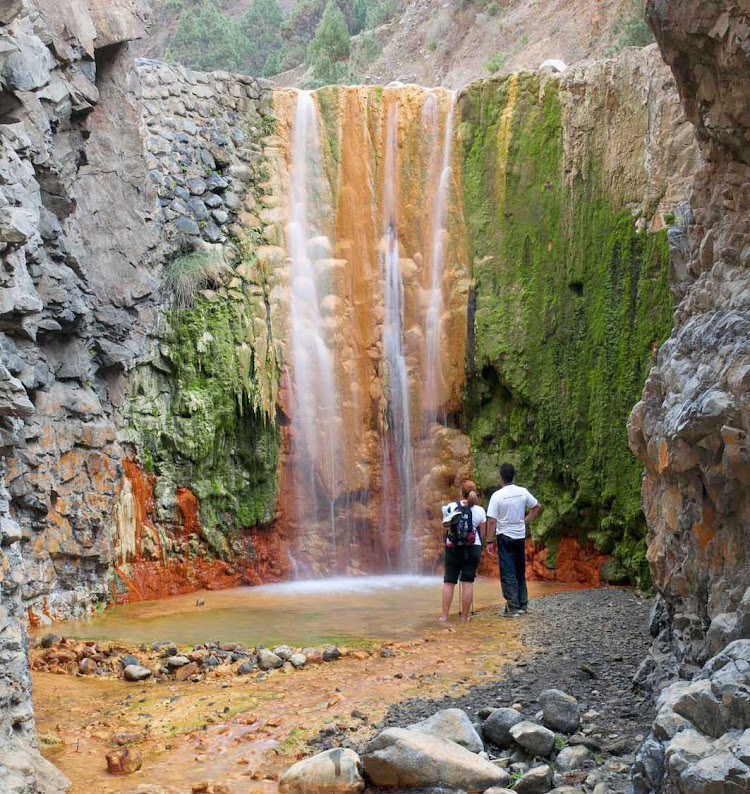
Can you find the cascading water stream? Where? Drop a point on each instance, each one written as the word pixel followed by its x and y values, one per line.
pixel 433 326
pixel 314 419
pixel 397 443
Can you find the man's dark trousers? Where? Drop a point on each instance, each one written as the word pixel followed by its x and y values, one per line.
pixel 511 557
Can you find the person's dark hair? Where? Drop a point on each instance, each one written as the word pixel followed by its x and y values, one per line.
pixel 469 492
pixel 508 473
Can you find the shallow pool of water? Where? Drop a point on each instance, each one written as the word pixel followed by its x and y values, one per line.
pixel 314 612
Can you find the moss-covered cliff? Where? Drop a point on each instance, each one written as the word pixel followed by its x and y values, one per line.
pixel 572 301
pixel 203 413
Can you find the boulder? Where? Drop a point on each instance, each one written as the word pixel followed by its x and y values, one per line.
pixel 535 739
pixel 246 667
pixel 268 660
pixel 173 662
pixel 298 660
pixel 451 724
pixel 496 728
pixel 536 781
pixel 183 673
pixel 400 757
pixel 337 771
pixel 284 652
pixel 560 711
pixel 331 654
pixel 571 758
pixel 123 762
pixel 136 672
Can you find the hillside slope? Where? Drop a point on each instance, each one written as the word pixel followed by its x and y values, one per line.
pixel 434 42
pixel 450 42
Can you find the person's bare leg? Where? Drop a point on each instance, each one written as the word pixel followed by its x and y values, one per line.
pixel 447 600
pixel 466 600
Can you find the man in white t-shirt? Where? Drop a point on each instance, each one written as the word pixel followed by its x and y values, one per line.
pixel 506 515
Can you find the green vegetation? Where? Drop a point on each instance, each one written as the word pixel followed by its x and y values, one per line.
pixel 630 28
pixel 495 63
pixel 572 301
pixel 203 413
pixel 194 271
pixel 206 39
pixel 265 41
pixel 330 49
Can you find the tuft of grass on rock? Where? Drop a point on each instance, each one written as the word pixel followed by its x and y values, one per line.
pixel 194 271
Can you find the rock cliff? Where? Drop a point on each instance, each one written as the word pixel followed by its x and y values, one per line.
pixel 690 428
pixel 75 305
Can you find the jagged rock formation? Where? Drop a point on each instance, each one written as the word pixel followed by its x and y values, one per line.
pixel 691 427
pixel 66 334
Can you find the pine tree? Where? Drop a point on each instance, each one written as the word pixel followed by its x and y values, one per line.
pixel 206 39
pixel 261 25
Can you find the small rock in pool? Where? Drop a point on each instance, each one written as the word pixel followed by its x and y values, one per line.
pixel 331 654
pixel 135 672
pixel 123 762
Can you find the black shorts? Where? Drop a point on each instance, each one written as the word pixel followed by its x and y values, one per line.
pixel 463 560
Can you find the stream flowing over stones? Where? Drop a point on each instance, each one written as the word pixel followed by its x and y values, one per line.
pixel 252 334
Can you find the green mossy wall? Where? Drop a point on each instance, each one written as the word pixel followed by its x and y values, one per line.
pixel 571 303
pixel 203 413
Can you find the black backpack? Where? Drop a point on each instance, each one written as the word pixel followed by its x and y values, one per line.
pixel 461 530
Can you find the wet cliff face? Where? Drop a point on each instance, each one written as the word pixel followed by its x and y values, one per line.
pixel 691 426
pixel 572 187
pixel 559 197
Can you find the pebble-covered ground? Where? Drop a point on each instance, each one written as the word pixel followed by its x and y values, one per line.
pixel 587 643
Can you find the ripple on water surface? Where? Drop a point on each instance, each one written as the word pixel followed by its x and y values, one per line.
pixel 344 610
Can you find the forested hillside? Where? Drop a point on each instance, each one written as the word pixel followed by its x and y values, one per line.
pixel 310 43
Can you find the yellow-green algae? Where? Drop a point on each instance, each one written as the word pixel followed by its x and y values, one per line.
pixel 571 303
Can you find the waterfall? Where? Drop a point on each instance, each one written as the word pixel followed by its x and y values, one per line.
pixel 433 326
pixel 315 426
pixel 397 441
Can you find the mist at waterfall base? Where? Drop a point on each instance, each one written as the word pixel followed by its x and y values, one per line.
pixel 345 610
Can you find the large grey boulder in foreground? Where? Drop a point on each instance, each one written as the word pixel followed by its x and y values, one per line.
pixel 535 739
pixel 336 771
pixel 560 711
pixel 399 757
pixel 496 727
pixel 453 725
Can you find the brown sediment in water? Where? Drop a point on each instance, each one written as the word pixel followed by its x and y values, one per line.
pixel 242 732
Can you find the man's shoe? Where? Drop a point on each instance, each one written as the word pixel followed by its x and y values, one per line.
pixel 523 610
pixel 512 613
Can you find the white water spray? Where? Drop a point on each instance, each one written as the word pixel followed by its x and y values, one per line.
pixel 314 420
pixel 398 442
pixel 433 324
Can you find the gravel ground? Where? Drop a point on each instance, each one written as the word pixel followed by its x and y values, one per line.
pixel 587 643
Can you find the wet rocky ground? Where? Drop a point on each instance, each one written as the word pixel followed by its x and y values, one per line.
pixel 587 643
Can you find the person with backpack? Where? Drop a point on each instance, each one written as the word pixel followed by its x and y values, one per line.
pixel 464 521
pixel 508 519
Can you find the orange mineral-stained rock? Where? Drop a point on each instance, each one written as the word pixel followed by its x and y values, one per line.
pixel 123 762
